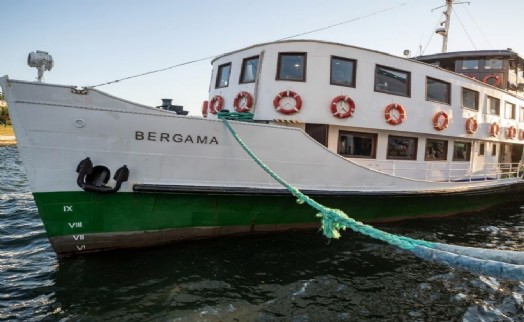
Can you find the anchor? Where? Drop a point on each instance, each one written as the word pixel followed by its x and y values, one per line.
pixel 95 178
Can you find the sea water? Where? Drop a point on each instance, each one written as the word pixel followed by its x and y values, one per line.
pixel 293 276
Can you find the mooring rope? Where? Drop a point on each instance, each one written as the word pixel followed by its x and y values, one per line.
pixel 502 264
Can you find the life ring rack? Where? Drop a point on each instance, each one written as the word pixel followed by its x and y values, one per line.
pixel 437 123
pixel 494 129
pixel 471 125
pixel 345 99
pixel 216 104
pixel 237 102
pixel 288 110
pixel 390 118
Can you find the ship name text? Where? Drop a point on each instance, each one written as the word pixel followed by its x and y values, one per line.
pixel 175 137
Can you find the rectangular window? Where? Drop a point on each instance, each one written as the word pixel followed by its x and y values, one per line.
pixel 343 71
pixel 402 148
pixel 481 149
pixel 249 70
pixel 292 66
pixel 493 105
pixel 521 115
pixel 461 151
pixel 357 145
pixel 509 111
pixel 494 149
pixel 468 64
pixel 493 64
pixel 436 150
pixel 470 99
pixel 437 90
pixel 392 81
pixel 223 75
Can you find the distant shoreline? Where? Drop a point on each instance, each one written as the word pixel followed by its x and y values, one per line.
pixel 7 140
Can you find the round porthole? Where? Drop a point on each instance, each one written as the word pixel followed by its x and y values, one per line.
pixel 80 123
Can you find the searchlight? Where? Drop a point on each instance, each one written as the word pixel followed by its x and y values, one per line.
pixel 42 61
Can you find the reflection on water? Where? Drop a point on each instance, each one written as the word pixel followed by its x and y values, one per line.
pixel 296 276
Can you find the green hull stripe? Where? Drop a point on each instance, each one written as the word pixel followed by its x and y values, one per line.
pixel 72 213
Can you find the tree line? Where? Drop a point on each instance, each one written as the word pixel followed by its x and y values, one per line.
pixel 4 113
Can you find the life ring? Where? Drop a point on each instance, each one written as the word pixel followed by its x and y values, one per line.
pixel 521 135
pixel 471 125
pixel 511 132
pixel 347 111
pixel 205 109
pixel 440 120
pixel 494 129
pixel 395 114
pixel 285 109
pixel 497 78
pixel 216 104
pixel 243 102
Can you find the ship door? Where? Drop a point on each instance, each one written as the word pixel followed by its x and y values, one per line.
pixel 319 132
pixel 510 155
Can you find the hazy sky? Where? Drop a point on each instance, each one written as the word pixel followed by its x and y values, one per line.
pixel 97 41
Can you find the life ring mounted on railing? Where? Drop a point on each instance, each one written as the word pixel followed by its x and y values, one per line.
pixel 243 102
pixel 395 114
pixel 283 105
pixel 497 80
pixel 216 104
pixel 511 132
pixel 342 106
pixel 494 129
pixel 440 120
pixel 471 125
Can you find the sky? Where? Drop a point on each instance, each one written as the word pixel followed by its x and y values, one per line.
pixel 98 41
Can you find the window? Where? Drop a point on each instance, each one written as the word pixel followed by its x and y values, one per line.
pixel 521 115
pixel 494 149
pixel 436 150
pixel 392 81
pixel 356 144
pixel 509 111
pixel 470 64
pixel 481 148
pixel 470 99
pixel 249 70
pixel 493 64
pixel 223 75
pixel 493 105
pixel 292 66
pixel 343 71
pixel 438 91
pixel 461 151
pixel 402 148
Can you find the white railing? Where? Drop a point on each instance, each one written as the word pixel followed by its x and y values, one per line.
pixel 444 171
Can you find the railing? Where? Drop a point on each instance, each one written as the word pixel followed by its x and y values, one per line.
pixel 445 171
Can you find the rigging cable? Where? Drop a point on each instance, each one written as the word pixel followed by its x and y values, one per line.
pixel 478 28
pixel 289 37
pixel 463 27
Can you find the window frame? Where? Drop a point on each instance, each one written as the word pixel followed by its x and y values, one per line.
pixel 488 108
pixel 467 155
pixel 448 88
pixel 372 136
pixel 280 62
pixel 407 92
pixel 406 158
pixel 477 99
pixel 513 115
pixel 445 152
pixel 243 69
pixel 219 78
pixel 353 76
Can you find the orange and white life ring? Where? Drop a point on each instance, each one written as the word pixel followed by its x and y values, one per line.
pixel 216 104
pixel 471 125
pixel 205 105
pixel 497 79
pixel 287 108
pixel 494 129
pixel 511 132
pixel 342 106
pixel 521 135
pixel 440 120
pixel 243 102
pixel 395 114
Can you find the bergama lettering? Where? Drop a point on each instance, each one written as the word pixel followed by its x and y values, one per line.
pixel 174 137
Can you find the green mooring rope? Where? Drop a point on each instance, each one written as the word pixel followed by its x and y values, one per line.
pixel 496 263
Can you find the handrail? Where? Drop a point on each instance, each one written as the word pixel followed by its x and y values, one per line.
pixel 444 171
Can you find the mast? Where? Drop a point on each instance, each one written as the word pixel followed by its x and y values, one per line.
pixel 444 31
